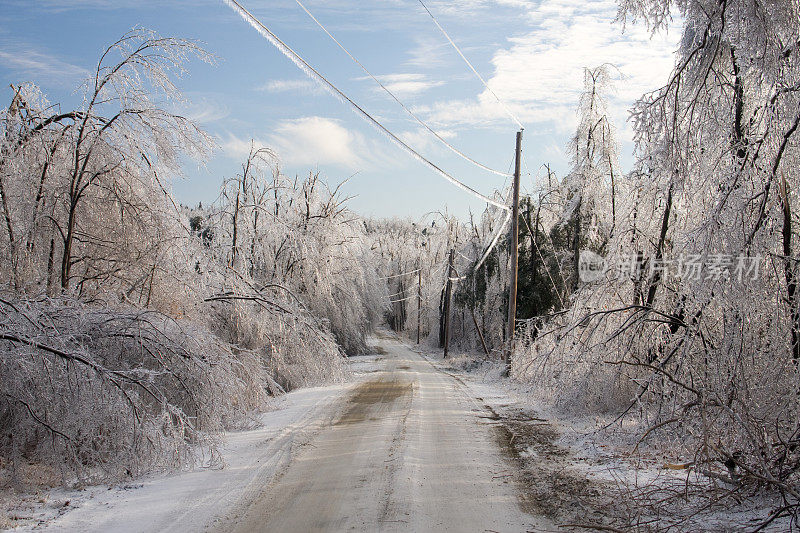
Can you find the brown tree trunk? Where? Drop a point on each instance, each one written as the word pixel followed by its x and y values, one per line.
pixel 576 247
pixel 10 230
pixel 235 227
pixel 50 267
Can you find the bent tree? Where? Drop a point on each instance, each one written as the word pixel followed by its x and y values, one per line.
pixel 709 346
pixel 122 139
pixel 98 180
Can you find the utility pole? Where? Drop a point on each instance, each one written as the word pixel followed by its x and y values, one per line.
pixel 419 299
pixel 447 293
pixel 512 289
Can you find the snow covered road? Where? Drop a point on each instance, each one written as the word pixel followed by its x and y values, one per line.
pixel 405 448
pixel 409 451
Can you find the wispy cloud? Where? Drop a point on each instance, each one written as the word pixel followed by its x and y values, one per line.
pixel 205 110
pixel 319 141
pixel 312 141
pixel 427 53
pixel 59 6
pixel 423 140
pixel 540 73
pixel 40 67
pixel 238 148
pixel 405 85
pixel 282 86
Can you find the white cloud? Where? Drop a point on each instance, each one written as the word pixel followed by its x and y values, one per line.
pixel 236 148
pixel 39 67
pixel 281 86
pixel 409 84
pixel 318 141
pixel 423 140
pixel 58 6
pixel 405 85
pixel 540 74
pixel 205 110
pixel 428 52
pixel 312 141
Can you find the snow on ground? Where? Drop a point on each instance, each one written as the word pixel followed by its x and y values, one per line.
pixel 601 454
pixel 412 452
pixel 589 472
pixel 189 498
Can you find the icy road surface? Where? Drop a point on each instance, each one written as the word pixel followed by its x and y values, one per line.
pixel 410 450
pixel 403 448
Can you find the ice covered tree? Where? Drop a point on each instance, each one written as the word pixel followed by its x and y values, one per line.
pixel 700 328
pixel 589 189
pixel 85 193
pixel 104 377
pixel 287 271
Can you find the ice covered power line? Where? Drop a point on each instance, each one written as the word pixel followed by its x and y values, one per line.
pixel 457 49
pixel 396 99
pixel 489 248
pixel 322 80
pixel 402 274
pixel 396 294
pixel 319 78
pixel 403 300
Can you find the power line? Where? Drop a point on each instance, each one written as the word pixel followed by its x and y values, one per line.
pixel 539 251
pixel 457 49
pixel 315 75
pixel 494 242
pixel 396 294
pixel 403 300
pixel 488 249
pixel 335 91
pixel 504 106
pixel 396 99
pixel 402 274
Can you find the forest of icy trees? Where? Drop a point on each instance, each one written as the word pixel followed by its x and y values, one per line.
pixel 134 330
pixel 692 327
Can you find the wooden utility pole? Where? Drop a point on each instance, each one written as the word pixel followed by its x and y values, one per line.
pixel 512 289
pixel 419 299
pixel 447 293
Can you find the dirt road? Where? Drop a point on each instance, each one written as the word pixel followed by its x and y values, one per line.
pixel 406 450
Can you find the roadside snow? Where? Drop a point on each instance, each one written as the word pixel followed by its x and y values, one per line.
pixel 188 501
pixel 576 469
pixel 604 457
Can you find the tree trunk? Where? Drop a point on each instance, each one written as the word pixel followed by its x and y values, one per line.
pixel 576 247
pixel 789 270
pixel 50 267
pixel 10 230
pixel 651 292
pixel 613 200
pixel 253 243
pixel 66 259
pixel 235 226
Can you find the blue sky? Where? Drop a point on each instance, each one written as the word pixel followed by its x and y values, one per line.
pixel 530 52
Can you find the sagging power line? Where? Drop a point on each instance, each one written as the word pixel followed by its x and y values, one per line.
pixel 469 64
pixel 402 274
pixel 489 248
pixel 335 91
pixel 400 103
pixel 403 300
